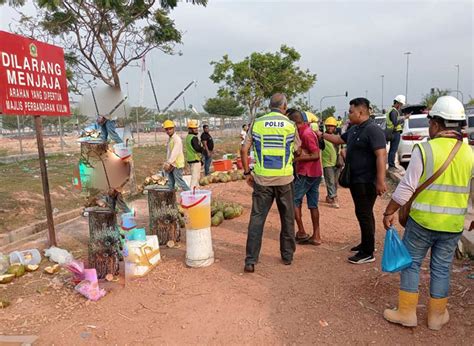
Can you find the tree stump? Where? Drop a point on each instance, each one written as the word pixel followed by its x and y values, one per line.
pixel 97 149
pixel 104 242
pixel 164 215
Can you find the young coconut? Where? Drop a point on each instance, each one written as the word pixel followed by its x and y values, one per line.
pixel 52 269
pixel 32 267
pixel 7 278
pixel 16 269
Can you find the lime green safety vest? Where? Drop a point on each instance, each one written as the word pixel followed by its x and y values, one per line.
pixel 179 163
pixel 273 135
pixel 399 127
pixel 191 154
pixel 442 206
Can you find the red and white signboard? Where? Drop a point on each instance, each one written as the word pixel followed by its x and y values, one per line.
pixel 32 77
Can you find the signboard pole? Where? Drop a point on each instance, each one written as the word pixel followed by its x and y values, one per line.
pixel 44 180
pixel 19 134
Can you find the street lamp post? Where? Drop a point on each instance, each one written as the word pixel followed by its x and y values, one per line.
pixel 366 93
pixel 381 108
pixel 457 82
pixel 325 97
pixel 406 86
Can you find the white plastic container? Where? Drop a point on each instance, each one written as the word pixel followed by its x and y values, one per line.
pixel 26 257
pixel 199 252
pixel 122 150
pixel 141 257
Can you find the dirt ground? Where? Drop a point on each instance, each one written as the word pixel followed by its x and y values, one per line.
pixel 320 298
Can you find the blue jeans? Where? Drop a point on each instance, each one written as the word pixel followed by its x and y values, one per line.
pixel 394 143
pixel 308 186
pixel 107 130
pixel 207 164
pixel 175 177
pixel 418 241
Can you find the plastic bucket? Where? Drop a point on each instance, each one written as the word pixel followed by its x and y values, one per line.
pixel 122 150
pixel 197 208
pixel 26 257
pixel 199 251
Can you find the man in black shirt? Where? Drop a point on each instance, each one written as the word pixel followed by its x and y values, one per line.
pixel 366 157
pixel 208 146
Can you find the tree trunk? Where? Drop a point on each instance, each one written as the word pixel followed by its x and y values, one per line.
pixel 104 242
pixel 164 215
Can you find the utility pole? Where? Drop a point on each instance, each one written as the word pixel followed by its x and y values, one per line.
pixel 381 108
pixel 457 82
pixel 406 85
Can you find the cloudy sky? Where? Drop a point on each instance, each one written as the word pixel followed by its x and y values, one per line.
pixel 348 44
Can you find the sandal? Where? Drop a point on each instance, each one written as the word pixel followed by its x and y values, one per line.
pixel 302 239
pixel 310 241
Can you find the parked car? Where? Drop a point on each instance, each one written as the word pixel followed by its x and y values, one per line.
pixel 415 130
pixel 381 120
pixel 470 128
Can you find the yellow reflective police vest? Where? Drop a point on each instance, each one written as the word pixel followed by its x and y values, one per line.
pixel 390 125
pixel 442 206
pixel 273 137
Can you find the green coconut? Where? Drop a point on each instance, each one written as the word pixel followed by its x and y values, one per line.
pixel 17 269
pixel 216 221
pixel 229 213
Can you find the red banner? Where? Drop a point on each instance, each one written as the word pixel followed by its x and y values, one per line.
pixel 32 77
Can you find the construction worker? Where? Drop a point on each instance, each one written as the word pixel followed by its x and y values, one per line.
pixel 273 138
pixel 174 163
pixel 437 213
pixel 394 129
pixel 339 124
pixel 194 151
pixel 330 162
pixel 107 129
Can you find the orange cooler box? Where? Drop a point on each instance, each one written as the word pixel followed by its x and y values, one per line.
pixel 222 165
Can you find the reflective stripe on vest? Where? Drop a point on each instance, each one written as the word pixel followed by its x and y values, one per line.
pixel 273 136
pixel 191 154
pixel 389 123
pixel 442 206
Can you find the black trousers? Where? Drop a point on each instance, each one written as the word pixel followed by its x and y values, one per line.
pixel 262 201
pixel 364 196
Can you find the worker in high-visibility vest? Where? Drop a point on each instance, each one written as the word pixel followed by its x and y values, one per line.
pixel 194 151
pixel 394 127
pixel 437 214
pixel 273 138
pixel 174 163
pixel 339 124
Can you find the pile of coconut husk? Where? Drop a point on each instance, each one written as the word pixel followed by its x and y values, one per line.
pixel 221 211
pixel 16 270
pixel 154 181
pixel 221 177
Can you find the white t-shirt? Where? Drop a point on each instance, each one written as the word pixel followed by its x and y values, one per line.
pixel 243 135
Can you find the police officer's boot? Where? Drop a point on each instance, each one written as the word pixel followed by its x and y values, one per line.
pixel 437 313
pixel 406 312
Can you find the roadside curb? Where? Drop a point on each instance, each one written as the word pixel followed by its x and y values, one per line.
pixel 24 232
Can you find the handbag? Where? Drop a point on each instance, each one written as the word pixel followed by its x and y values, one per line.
pixel 345 176
pixel 404 211
pixel 395 256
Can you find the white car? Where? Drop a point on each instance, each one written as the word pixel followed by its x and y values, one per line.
pixel 415 130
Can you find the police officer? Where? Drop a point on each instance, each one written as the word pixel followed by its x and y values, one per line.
pixel 273 138
pixel 193 152
pixel 437 213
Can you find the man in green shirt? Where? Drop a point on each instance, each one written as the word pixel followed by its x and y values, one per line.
pixel 329 158
pixel 193 152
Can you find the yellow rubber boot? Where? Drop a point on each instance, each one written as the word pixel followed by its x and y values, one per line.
pixel 406 312
pixel 437 313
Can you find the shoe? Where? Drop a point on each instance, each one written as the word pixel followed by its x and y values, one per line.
pixel 334 205
pixel 287 262
pixel 405 314
pixel 356 248
pixel 249 268
pixel 361 258
pixel 437 313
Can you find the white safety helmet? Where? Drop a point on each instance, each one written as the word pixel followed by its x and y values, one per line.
pixel 400 99
pixel 448 108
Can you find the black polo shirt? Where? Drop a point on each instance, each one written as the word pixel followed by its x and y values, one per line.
pixel 362 140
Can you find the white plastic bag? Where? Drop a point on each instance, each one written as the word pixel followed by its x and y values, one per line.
pixel 58 255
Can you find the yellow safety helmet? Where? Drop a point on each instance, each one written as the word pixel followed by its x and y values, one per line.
pixel 331 121
pixel 312 118
pixel 193 124
pixel 168 124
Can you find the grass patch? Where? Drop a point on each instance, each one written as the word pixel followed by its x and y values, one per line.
pixel 21 195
